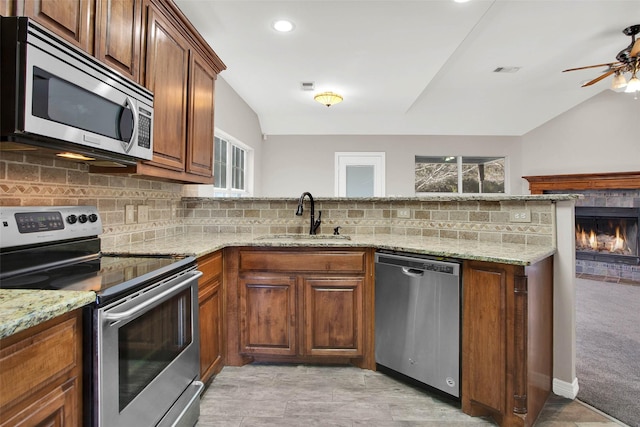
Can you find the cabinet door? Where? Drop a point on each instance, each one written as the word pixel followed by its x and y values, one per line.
pixel 267 315
pixel 484 336
pixel 70 19
pixel 201 106
pixel 118 32
pixel 56 409
pixel 167 75
pixel 333 316
pixel 211 321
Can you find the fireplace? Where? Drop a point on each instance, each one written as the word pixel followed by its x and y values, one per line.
pixel 610 206
pixel 608 234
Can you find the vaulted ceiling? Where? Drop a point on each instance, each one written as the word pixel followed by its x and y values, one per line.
pixel 413 67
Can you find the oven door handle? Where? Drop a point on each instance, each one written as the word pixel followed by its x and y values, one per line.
pixel 141 307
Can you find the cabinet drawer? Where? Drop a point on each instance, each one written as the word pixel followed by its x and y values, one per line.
pixel 210 265
pixel 37 360
pixel 316 261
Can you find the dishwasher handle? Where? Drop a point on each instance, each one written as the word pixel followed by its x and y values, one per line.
pixel 412 272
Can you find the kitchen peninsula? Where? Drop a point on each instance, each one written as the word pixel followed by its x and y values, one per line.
pixel 508 272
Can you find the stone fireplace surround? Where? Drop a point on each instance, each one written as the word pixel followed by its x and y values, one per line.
pixel 618 189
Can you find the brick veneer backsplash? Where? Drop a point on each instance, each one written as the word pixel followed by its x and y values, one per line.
pixel 33 180
pixel 30 180
pixel 486 221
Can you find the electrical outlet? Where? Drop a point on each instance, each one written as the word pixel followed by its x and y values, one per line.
pixel 143 213
pixel 403 213
pixel 523 215
pixel 129 214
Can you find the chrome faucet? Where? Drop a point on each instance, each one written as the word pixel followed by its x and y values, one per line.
pixel 314 223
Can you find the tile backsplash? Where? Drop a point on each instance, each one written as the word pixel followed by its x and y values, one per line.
pixel 30 180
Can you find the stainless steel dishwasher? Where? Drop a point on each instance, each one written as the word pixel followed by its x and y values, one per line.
pixel 417 319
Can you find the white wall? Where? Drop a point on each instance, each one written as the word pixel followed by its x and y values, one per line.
pixel 600 135
pixel 293 164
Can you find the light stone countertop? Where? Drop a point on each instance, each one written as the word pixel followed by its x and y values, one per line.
pixel 199 244
pixel 21 309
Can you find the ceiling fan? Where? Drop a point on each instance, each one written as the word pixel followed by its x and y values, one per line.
pixel 628 61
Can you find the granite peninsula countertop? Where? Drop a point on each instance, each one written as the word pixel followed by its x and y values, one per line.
pixel 199 244
pixel 21 309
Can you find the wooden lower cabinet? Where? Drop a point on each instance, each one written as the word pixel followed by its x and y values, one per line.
pixel 41 375
pixel 211 305
pixel 300 305
pixel 333 316
pixel 268 315
pixel 507 340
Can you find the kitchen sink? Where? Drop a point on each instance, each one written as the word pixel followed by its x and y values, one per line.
pixel 303 237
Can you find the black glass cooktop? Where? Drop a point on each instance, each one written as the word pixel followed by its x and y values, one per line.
pixel 105 275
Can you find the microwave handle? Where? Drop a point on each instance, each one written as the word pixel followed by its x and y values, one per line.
pixel 137 309
pixel 128 145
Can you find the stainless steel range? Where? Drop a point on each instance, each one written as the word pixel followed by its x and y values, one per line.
pixel 141 342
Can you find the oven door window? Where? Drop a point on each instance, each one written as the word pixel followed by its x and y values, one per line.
pixel 147 345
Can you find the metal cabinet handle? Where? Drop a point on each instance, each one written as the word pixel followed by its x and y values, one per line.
pixel 128 145
pixel 412 272
pixel 137 309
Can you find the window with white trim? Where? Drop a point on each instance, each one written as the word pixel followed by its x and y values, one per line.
pixel 459 174
pixel 231 168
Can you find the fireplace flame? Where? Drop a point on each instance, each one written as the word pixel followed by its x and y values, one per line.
pixel 618 243
pixel 590 240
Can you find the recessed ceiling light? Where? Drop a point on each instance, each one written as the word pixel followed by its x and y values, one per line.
pixel 283 26
pixel 460 1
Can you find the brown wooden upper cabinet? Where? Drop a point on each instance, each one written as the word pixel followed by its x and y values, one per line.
pixel 70 19
pixel 180 69
pixel 152 43
pixel 118 35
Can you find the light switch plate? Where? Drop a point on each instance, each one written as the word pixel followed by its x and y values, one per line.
pixel 143 213
pixel 523 215
pixel 129 214
pixel 403 213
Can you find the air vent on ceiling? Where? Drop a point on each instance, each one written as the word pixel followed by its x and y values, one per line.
pixel 307 85
pixel 506 69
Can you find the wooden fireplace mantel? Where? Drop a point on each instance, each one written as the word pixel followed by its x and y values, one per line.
pixel 584 181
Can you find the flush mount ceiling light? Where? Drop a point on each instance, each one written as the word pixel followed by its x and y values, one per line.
pixel 328 98
pixel 283 26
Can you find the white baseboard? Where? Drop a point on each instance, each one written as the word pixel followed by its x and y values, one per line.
pixel 565 389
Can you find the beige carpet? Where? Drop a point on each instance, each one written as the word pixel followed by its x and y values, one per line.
pixel 608 348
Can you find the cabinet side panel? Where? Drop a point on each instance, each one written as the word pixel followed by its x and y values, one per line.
pixel 484 337
pixel 540 331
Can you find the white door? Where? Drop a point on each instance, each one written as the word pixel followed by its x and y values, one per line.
pixel 359 174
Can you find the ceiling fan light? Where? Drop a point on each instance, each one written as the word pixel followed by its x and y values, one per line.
pixel 618 81
pixel 328 98
pixel 633 85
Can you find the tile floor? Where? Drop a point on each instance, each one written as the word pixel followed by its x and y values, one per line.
pixel 300 395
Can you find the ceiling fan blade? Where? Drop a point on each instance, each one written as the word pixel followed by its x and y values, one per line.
pixel 635 50
pixel 608 64
pixel 597 79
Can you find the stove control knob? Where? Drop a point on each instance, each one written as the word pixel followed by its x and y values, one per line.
pixel 93 218
pixel 82 218
pixel 72 219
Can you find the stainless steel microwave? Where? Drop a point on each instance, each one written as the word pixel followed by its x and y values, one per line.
pixel 57 97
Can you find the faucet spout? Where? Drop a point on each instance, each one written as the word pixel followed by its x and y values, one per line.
pixel 314 224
